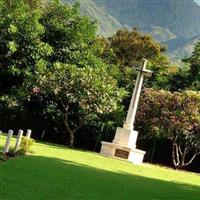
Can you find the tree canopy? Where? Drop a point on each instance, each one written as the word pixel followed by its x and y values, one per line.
pixel 131 46
pixel 175 116
pixel 49 53
pixel 60 77
pixel 80 95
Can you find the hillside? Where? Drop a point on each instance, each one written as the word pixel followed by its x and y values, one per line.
pixel 107 23
pixel 181 48
pixel 170 14
pixel 161 34
pixel 171 22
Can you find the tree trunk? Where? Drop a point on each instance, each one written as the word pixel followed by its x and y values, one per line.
pixel 70 133
pixel 71 139
pixel 175 155
pixel 65 110
pixel 179 156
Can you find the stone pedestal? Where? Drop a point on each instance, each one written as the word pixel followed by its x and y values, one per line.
pixel 123 146
pixel 125 137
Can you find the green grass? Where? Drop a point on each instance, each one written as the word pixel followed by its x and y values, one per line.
pixel 57 173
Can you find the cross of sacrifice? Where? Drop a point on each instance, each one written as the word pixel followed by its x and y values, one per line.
pixel 130 119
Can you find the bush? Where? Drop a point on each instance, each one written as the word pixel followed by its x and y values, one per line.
pixel 25 145
pixel 176 117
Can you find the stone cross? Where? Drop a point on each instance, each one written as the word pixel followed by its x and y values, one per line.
pixel 124 144
pixel 130 119
pixel 8 140
pixel 18 141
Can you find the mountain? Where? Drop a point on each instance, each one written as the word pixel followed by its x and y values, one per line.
pixel 198 2
pixel 179 48
pixel 172 22
pixel 106 22
pixel 180 17
pixel 160 34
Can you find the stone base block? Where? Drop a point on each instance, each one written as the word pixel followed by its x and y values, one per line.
pixel 126 137
pixel 133 155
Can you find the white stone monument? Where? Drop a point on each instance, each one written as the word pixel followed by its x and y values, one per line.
pixel 18 141
pixel 8 140
pixel 28 134
pixel 124 143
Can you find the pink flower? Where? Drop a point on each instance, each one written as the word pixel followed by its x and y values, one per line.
pixel 36 90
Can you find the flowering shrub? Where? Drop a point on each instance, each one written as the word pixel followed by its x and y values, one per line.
pixel 175 116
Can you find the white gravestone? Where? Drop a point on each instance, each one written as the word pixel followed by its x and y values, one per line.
pixel 28 136
pixel 8 139
pixel 124 143
pixel 0 136
pixel 18 141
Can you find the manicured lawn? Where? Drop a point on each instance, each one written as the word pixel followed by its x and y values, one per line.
pixel 57 173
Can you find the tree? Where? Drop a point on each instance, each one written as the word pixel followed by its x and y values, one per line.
pixel 188 75
pixel 71 36
pixel 193 72
pixel 126 49
pixel 131 46
pixel 23 52
pixel 22 55
pixel 78 94
pixel 175 116
pixel 39 37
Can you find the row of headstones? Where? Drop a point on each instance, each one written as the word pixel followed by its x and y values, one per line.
pixel 18 141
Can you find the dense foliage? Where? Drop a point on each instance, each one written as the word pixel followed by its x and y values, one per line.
pixel 78 94
pixel 175 116
pixel 22 50
pixel 131 46
pixel 193 74
pixel 71 86
pixel 187 77
pixel 49 60
pixel 107 23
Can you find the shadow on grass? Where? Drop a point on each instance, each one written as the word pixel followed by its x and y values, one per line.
pixel 60 146
pixel 41 178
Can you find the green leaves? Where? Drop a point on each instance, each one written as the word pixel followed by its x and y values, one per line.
pixel 23 51
pixel 49 53
pixel 12 29
pixel 12 46
pixel 93 89
pixel 131 46
pixel 190 73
